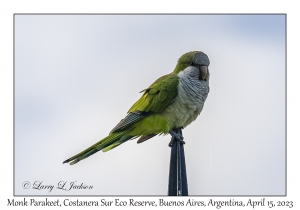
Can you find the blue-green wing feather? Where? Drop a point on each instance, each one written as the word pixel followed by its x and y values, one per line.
pixel 129 120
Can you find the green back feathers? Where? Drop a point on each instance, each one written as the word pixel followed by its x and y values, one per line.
pixel 145 112
pixel 158 96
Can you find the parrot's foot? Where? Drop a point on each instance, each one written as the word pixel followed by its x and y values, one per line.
pixel 175 136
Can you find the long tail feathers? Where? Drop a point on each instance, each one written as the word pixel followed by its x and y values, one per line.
pixel 116 143
pixel 111 141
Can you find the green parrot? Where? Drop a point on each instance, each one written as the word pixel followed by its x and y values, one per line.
pixel 172 101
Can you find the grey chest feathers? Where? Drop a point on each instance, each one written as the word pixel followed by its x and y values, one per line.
pixel 190 99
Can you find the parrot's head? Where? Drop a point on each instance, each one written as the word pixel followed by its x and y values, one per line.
pixel 194 58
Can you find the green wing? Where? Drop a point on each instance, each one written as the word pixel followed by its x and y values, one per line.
pixel 158 96
pixel 154 100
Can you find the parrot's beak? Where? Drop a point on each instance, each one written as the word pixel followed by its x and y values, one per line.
pixel 203 72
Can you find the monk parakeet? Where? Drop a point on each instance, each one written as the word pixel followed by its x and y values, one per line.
pixel 172 101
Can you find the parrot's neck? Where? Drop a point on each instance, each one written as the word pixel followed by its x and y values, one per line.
pixel 195 90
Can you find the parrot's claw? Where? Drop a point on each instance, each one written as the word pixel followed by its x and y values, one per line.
pixel 175 136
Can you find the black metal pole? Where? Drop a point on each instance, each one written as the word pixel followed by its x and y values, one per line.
pixel 177 175
pixel 172 191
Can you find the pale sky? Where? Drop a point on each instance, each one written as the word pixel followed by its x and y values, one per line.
pixel 76 76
